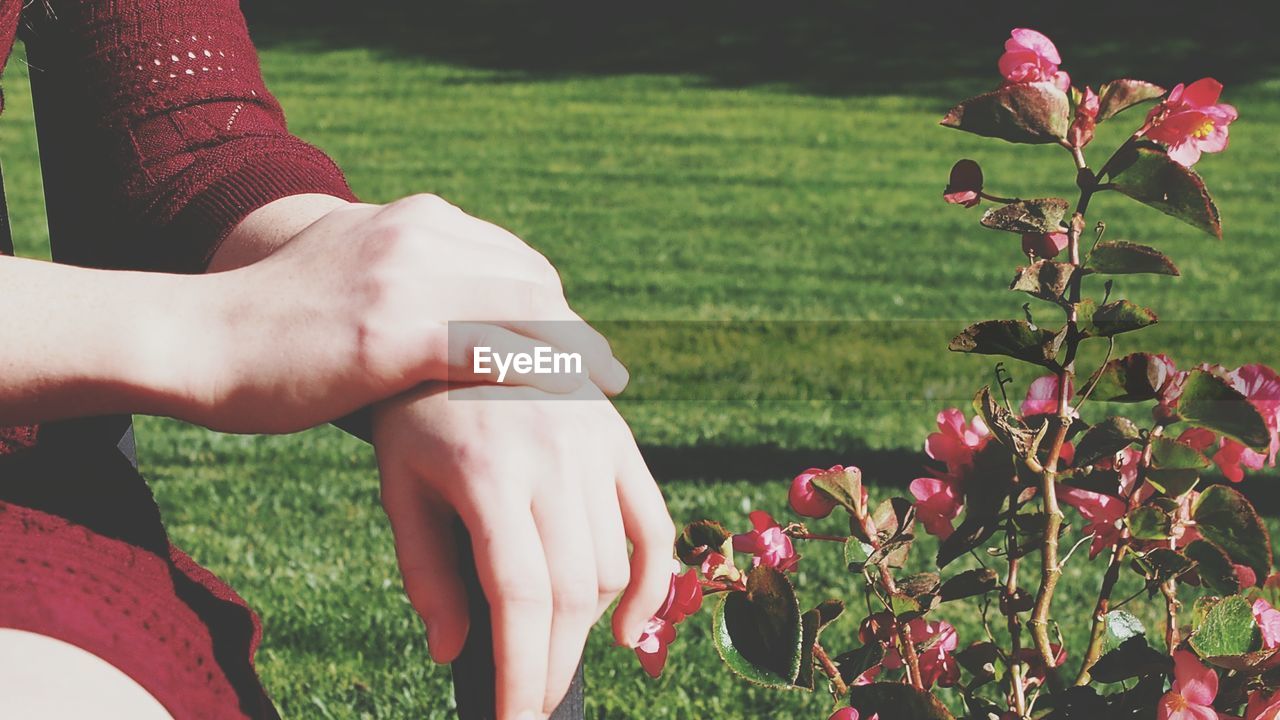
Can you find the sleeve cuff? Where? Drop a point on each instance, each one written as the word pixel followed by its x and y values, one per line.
pixel 212 213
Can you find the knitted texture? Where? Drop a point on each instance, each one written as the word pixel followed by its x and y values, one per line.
pixel 157 137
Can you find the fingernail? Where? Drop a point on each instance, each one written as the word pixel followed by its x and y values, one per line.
pixel 527 715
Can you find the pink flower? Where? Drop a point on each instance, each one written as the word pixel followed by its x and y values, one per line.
pixel 938 502
pixel 1042 396
pixel 1032 57
pixel 684 597
pixel 1268 619
pixel 808 500
pixel 956 443
pixel 1194 689
pixel 1261 386
pixel 1102 514
pixel 1191 121
pixel 849 713
pixel 965 185
pixel 718 567
pixel 1086 119
pixel 767 543
pixel 935 641
pixel 1043 245
pixel 1263 706
pixel 1232 458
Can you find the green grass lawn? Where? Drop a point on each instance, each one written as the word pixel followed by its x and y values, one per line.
pixel 675 194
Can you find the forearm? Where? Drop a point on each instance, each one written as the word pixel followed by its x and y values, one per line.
pixel 269 227
pixel 78 342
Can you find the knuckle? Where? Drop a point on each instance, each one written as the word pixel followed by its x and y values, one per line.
pixel 579 599
pixel 424 203
pixel 613 582
pixel 524 596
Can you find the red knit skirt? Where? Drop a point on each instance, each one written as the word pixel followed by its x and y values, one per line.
pixel 85 559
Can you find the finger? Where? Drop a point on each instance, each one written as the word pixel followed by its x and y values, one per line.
pixel 427 555
pixel 567 542
pixel 606 371
pixel 613 570
pixel 513 574
pixel 537 312
pixel 492 354
pixel 652 534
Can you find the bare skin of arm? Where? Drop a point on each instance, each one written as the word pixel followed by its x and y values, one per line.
pixel 314 307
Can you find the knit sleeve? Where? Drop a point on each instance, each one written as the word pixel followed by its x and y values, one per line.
pixel 157 134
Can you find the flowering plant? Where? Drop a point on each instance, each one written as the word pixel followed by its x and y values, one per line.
pixel 1003 479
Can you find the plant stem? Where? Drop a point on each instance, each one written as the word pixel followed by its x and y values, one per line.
pixel 905 645
pixel 1169 588
pixel 1050 569
pixel 814 536
pixel 1015 644
pixel 830 670
pixel 1099 630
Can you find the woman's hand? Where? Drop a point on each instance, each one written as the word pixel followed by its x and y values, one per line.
pixel 356 307
pixel 549 489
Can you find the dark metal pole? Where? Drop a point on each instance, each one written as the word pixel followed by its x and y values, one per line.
pixel 473 671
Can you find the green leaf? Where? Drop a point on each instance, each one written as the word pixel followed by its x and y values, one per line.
pixel 1168 454
pixel 895 700
pixel 698 538
pixel 1117 257
pixel 1013 338
pixel 1209 402
pixel 845 487
pixel 1174 483
pixel 1119 95
pixel 1144 172
pixel 1043 279
pixel 1023 113
pixel 1133 658
pixel 1119 317
pixel 1041 215
pixel 1149 523
pixel 1227 519
pixel 1175 466
pixel 1132 378
pixel 856 553
pixel 758 632
pixel 969 583
pixel 813 623
pixel 1213 567
pixel 1121 626
pixel 989 484
pixel 1165 564
pixel 1105 440
pixel 853 663
pixel 1227 629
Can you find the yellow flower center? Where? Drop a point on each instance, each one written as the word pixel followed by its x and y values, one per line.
pixel 1204 130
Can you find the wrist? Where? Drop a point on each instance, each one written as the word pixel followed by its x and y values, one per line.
pixel 169 341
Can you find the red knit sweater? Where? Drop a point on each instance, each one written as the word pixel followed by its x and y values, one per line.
pixel 157 137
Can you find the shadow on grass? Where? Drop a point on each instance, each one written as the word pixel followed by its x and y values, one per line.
pixel 882 468
pixel 828 47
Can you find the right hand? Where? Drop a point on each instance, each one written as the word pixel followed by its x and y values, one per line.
pixel 549 489
pixel 356 308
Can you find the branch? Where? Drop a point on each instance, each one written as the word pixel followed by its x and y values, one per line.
pixel 1050 569
pixel 1097 634
pixel 830 670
